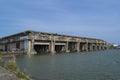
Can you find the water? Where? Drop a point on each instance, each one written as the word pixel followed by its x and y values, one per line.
pixel 102 65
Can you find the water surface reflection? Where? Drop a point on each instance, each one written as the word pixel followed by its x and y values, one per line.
pixel 102 65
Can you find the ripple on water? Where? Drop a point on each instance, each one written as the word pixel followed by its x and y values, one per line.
pixel 103 65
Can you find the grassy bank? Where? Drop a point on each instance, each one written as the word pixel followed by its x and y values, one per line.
pixel 12 66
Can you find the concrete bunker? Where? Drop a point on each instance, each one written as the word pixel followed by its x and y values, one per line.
pixel 42 42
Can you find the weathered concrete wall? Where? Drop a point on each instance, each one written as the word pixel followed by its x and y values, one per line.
pixel 70 43
pixel 2 47
pixel 12 46
pixel 49 42
pixel 22 45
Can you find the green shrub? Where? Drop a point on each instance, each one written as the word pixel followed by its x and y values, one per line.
pixel 22 76
pixel 12 66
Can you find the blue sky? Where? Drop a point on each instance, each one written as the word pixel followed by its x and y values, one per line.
pixel 86 18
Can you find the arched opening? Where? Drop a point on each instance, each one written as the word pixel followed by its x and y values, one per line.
pixel 72 46
pixel 41 48
pixel 59 48
pixel 82 47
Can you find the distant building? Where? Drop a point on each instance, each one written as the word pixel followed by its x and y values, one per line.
pixel 115 45
pixel 118 46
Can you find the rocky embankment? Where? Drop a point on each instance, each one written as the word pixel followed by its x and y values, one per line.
pixel 7 75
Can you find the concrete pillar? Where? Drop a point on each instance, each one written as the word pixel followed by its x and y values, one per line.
pixel 96 47
pixel 52 47
pixel 31 47
pixel 78 46
pixel 99 47
pixel 90 47
pixel 66 47
pixel 82 47
pixel 86 46
pixel 63 49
